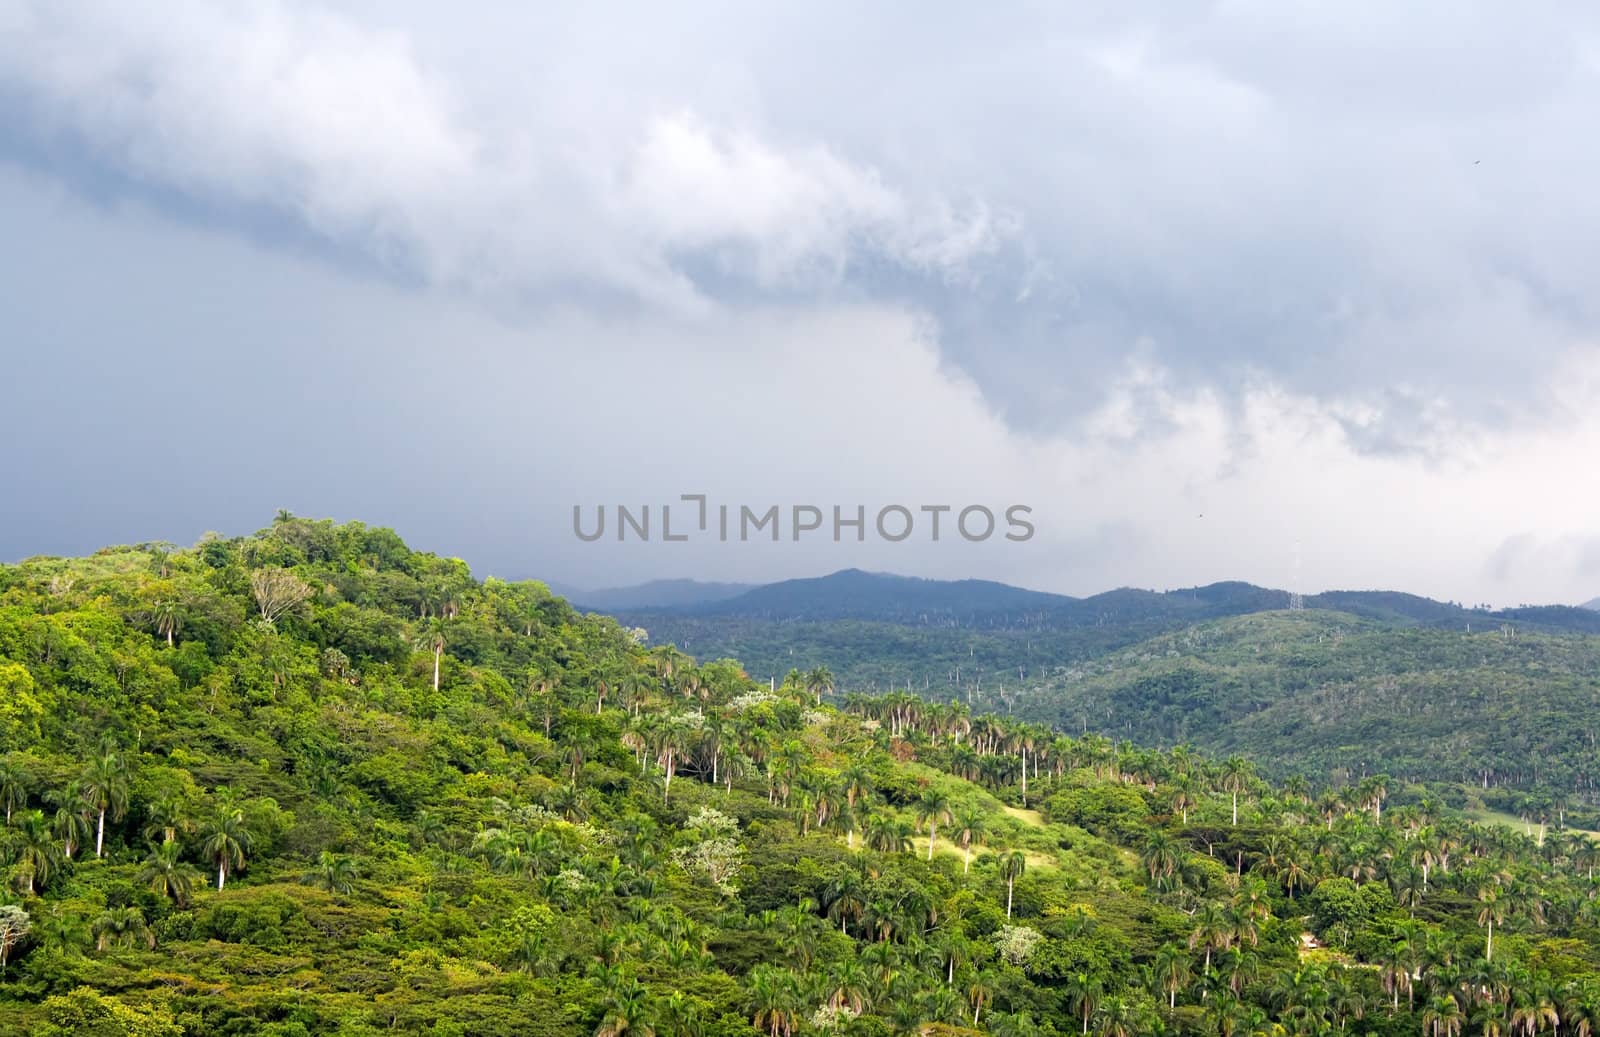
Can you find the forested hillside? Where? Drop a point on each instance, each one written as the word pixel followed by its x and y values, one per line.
pixel 312 782
pixel 1352 684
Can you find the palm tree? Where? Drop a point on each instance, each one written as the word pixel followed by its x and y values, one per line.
pixel 1182 797
pixel 627 1012
pixel 1492 910
pixel 979 991
pixel 845 896
pixel 13 786
pixel 334 872
pixel 1212 930
pixel 225 837
pixel 105 783
pixel 819 681
pixel 848 987
pixel 168 616
pixel 1172 971
pixel 165 872
pixel 122 927
pixel 1442 1017
pixel 933 807
pixel 888 835
pixel 167 817
pixel 30 843
pixel 1160 856
pixel 431 638
pixel 1235 777
pixel 71 821
pixel 773 1000
pixel 1012 865
pixel 970 824
pixel 1083 991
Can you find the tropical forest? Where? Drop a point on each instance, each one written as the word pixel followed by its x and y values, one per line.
pixel 311 781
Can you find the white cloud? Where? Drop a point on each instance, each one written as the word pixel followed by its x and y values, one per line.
pixel 344 128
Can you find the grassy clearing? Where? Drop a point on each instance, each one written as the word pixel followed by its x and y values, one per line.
pixel 1031 817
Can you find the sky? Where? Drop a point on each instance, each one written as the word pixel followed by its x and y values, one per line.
pixel 1300 294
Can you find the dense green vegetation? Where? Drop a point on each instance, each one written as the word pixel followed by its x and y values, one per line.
pixel 1506 703
pixel 310 781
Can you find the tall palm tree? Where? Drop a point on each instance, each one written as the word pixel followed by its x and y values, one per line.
pixel 1012 865
pixel 165 872
pixel 31 844
pixel 970 825
pixel 13 785
pixel 933 807
pixel 1160 856
pixel 431 638
pixel 819 681
pixel 1235 778
pixel 71 820
pixel 1491 910
pixel 1084 991
pixel 1172 971
pixel 225 838
pixel 105 783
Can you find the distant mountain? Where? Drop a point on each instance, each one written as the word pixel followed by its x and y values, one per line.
pixel 854 594
pixel 883 630
pixel 1592 603
pixel 655 594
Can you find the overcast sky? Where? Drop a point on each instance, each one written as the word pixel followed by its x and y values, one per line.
pixel 1301 294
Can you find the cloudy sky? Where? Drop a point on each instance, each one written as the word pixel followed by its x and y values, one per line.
pixel 1300 294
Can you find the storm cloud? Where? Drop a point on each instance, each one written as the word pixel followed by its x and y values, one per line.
pixel 1290 294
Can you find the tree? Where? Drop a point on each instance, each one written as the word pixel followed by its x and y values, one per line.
pixel 1235 778
pixel 431 638
pixel 1491 909
pixel 774 1000
pixel 933 807
pixel 225 838
pixel 122 927
pixel 13 785
pixel 627 1012
pixel 168 616
pixel 819 681
pixel 31 844
pixel 1442 1017
pixel 334 872
pixel 165 872
pixel 15 924
pixel 105 784
pixel 71 820
pixel 1172 971
pixel 970 825
pixel 167 817
pixel 1084 990
pixel 276 592
pixel 1160 857
pixel 1012 865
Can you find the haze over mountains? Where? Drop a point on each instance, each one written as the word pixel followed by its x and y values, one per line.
pixel 852 594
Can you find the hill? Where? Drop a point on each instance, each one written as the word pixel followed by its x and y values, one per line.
pixel 654 594
pixel 1336 696
pixel 312 782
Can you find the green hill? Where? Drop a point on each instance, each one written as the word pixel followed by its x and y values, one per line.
pixel 311 782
